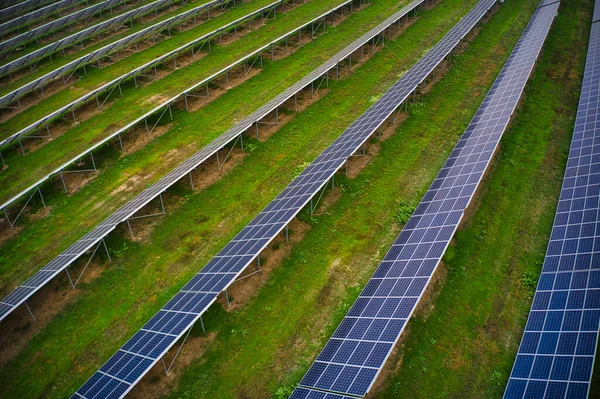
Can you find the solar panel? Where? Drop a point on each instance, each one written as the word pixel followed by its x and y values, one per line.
pixel 179 315
pixel 14 7
pixel 360 346
pixel 30 60
pixel 66 258
pixel 54 25
pixel 557 350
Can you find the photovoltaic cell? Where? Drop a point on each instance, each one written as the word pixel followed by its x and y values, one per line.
pixel 354 355
pixel 557 350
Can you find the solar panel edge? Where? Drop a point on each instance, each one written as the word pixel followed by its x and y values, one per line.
pixel 437 264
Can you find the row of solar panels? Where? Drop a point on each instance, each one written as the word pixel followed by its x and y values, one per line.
pixel 10 8
pixel 44 12
pixel 31 59
pixel 104 51
pixel 124 369
pixel 24 291
pixel 161 108
pixel 198 42
pixel 360 346
pixel 50 27
pixel 557 350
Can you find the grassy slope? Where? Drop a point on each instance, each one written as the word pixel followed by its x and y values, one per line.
pixel 133 287
pixel 98 77
pixel 25 170
pixel 70 217
pixel 47 66
pixel 465 346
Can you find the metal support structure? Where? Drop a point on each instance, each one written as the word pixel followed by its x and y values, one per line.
pixel 14 221
pixel 178 350
pixel 30 312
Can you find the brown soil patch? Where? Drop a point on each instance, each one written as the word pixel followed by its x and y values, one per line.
pixel 138 138
pixel 209 173
pixel 18 328
pixel 217 87
pixel 157 383
pixel 372 147
pixel 270 258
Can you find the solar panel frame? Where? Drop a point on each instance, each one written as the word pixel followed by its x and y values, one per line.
pixel 557 351
pixel 353 357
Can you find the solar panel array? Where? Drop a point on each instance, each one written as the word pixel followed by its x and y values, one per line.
pixel 30 59
pixel 167 103
pixel 556 354
pixel 355 354
pixel 67 257
pixel 45 12
pixel 14 7
pixel 58 113
pixel 53 25
pixel 103 52
pixel 149 344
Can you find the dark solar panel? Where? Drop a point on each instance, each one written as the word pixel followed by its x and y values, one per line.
pixel 557 350
pixel 185 308
pixel 353 357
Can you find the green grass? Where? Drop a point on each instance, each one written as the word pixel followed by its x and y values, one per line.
pixel 262 346
pixel 71 217
pixel 46 66
pixel 98 77
pixel 25 170
pixel 133 287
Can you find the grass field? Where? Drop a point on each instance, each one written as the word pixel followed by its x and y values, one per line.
pixel 462 344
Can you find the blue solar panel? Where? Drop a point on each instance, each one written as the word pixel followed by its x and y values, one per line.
pixel 557 350
pixel 353 357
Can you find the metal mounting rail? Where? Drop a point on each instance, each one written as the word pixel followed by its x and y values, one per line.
pixel 251 59
pixel 110 86
pixel 32 59
pixel 231 136
pixel 104 51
